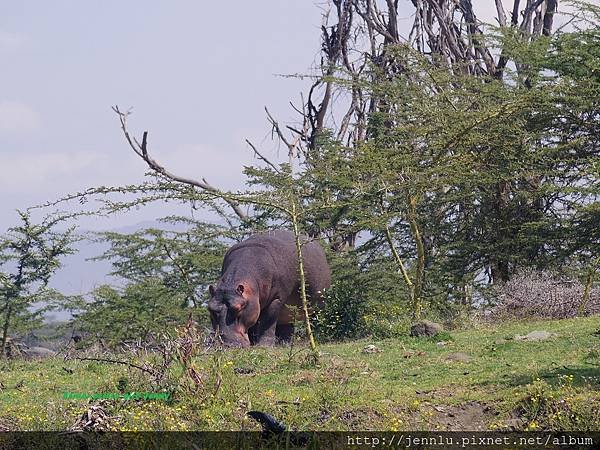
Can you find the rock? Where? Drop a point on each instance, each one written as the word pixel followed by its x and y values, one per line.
pixel 472 416
pixel 371 349
pixel 515 424
pixel 535 336
pixel 243 370
pixel 425 328
pixel 459 357
pixel 38 352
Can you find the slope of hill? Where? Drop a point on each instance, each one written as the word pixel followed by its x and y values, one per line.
pixel 477 379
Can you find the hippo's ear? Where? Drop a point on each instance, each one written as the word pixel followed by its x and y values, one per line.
pixel 240 289
pixel 211 290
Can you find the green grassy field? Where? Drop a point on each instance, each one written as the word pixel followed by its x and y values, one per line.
pixel 494 382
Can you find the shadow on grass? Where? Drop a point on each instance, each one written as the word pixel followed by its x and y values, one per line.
pixel 583 376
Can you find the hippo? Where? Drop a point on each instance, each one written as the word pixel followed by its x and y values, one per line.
pixel 259 281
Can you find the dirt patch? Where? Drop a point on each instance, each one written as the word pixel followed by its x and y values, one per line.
pixel 323 416
pixel 244 371
pixel 441 393
pixel 303 378
pixel 362 418
pixel 472 416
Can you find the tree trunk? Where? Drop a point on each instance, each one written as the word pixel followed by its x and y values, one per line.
pixel 420 247
pixel 500 265
pixel 5 330
pixel 412 294
pixel 303 296
pixel 589 281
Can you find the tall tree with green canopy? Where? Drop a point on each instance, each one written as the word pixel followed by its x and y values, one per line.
pixel 30 254
pixel 493 172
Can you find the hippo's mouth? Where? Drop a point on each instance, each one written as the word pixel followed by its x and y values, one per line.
pixel 235 340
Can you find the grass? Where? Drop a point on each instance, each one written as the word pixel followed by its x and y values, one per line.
pixel 410 384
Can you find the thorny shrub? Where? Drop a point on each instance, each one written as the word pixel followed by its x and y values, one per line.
pixel 543 294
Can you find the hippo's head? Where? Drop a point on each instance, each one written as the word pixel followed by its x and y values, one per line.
pixel 233 310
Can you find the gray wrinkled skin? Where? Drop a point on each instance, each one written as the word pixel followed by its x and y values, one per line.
pixel 250 304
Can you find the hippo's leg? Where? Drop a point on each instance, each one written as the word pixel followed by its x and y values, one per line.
pixel 267 323
pixel 284 333
pixel 253 334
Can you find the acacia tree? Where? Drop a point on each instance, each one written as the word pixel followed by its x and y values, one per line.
pixel 30 253
pixel 434 157
pixel 359 50
pixel 461 150
pixel 163 276
pixel 358 42
pixel 185 261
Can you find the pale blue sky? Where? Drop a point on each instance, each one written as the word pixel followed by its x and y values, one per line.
pixel 198 74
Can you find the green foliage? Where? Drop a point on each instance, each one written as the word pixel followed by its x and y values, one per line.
pixel 384 320
pixel 30 254
pixel 482 175
pixel 185 261
pixel 142 311
pixel 166 274
pixel 342 316
pixel 557 408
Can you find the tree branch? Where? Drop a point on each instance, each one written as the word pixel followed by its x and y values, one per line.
pixel 125 363
pixel 257 153
pixel 501 13
pixel 142 151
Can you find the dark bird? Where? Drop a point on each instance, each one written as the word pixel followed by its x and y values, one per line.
pixel 271 427
pixel 269 424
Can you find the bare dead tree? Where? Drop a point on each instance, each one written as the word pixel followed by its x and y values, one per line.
pixel 356 33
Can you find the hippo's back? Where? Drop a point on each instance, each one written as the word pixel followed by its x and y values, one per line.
pixel 271 249
pixel 274 252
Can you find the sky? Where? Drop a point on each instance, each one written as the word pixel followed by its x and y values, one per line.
pixel 197 74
